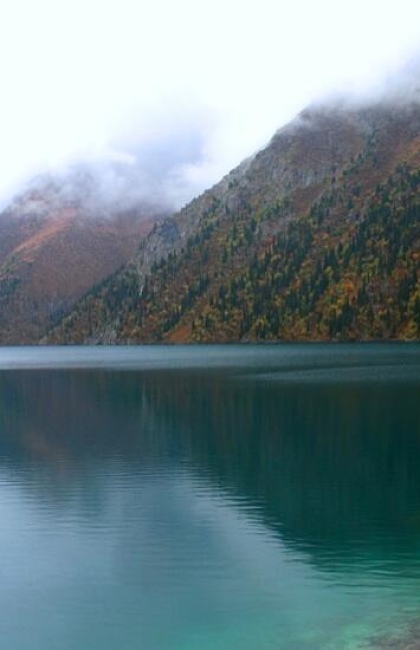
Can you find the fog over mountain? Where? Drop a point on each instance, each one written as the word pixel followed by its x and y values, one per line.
pixel 93 232
pixel 159 169
pixel 163 99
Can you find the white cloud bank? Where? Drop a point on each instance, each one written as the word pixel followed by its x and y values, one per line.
pixel 182 90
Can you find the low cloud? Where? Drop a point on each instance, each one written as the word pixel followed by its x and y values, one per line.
pixel 157 165
pixel 155 102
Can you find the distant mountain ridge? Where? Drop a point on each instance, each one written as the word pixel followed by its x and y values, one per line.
pixel 316 237
pixel 56 243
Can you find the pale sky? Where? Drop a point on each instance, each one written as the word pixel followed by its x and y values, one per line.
pixel 185 89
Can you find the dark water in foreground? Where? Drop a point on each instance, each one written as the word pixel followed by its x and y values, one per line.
pixel 209 498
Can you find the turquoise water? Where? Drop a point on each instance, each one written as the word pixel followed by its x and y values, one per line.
pixel 221 497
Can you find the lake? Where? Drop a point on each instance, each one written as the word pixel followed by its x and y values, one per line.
pixel 210 497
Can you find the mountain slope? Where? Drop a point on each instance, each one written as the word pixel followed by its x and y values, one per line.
pixel 54 246
pixel 317 237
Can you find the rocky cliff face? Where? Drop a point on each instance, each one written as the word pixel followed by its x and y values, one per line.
pixel 314 237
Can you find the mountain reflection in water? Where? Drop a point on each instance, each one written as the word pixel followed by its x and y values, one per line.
pixel 300 476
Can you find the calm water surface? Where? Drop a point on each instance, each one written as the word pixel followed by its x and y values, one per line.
pixel 209 498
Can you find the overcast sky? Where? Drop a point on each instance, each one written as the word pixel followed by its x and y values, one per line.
pixel 186 89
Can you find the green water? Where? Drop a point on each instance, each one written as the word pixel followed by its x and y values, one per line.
pixel 210 498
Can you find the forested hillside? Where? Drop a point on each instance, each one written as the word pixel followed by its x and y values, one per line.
pixel 317 237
